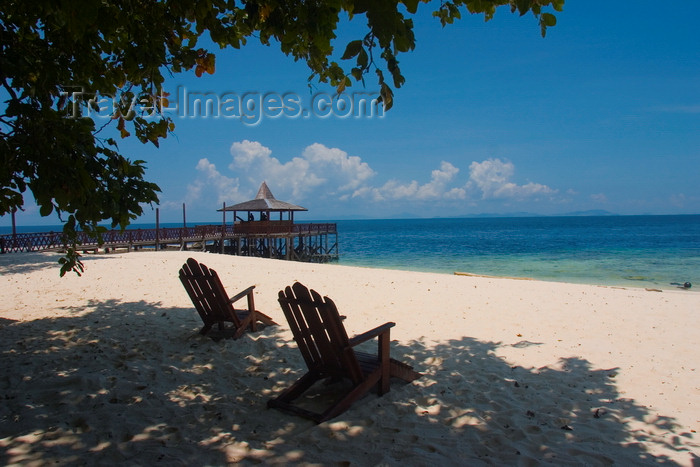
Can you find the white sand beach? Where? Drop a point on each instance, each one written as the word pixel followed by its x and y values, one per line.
pixel 109 369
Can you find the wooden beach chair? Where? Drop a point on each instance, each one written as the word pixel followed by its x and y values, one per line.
pixel 321 337
pixel 213 303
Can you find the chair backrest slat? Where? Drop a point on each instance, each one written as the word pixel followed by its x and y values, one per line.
pixel 319 332
pixel 300 330
pixel 207 293
pixel 338 335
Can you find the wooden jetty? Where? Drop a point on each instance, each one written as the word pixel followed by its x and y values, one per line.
pixel 317 243
pixel 130 239
pixel 283 239
pixel 262 237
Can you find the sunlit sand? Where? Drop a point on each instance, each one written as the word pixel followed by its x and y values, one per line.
pixel 109 368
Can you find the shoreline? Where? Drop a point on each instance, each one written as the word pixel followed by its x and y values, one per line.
pixel 109 367
pixel 630 283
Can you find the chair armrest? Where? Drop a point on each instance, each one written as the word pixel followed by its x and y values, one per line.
pixel 372 333
pixel 242 294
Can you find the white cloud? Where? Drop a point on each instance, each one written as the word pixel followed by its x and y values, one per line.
pixel 682 109
pixel 247 153
pixel 599 198
pixel 492 179
pixel 349 169
pixel 435 189
pixel 317 166
pixel 323 172
pixel 678 200
pixel 225 188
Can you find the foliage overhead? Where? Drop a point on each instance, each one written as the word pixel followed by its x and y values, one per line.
pixel 125 49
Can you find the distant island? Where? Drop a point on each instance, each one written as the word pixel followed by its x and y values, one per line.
pixel 484 215
pixel 590 213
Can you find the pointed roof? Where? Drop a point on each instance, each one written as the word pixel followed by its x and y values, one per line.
pixel 264 201
pixel 264 192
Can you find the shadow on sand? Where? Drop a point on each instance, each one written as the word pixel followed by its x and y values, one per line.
pixel 27 262
pixel 133 382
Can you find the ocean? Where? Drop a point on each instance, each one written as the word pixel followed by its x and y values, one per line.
pixel 640 251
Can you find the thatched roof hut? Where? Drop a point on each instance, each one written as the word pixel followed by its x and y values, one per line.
pixel 265 202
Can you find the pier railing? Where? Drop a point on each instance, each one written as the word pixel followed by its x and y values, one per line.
pixel 49 241
pixel 281 228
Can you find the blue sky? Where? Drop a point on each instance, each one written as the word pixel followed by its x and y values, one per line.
pixel 603 113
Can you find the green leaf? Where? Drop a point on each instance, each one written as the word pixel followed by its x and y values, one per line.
pixel 352 49
pixel 402 43
pixel 362 58
pixel 523 6
pixel 549 19
pixel 45 209
pixel 411 5
pixel 386 96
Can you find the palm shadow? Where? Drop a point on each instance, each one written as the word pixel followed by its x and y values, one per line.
pixel 134 382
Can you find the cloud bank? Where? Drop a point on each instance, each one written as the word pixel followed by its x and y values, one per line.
pixel 318 166
pixel 492 179
pixel 320 172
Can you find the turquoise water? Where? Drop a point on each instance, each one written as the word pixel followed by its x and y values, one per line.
pixel 640 251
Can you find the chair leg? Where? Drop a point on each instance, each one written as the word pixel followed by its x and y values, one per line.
pixel 263 318
pixel 239 332
pixel 383 354
pixel 403 371
pixel 348 399
pixel 251 309
pixel 285 398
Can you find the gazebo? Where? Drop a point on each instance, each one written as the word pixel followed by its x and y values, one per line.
pixel 271 238
pixel 264 203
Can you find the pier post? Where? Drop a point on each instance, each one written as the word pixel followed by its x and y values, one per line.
pixel 157 229
pixel 223 227
pixel 14 230
pixel 183 231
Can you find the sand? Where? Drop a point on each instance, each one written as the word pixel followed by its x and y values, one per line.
pixel 109 369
